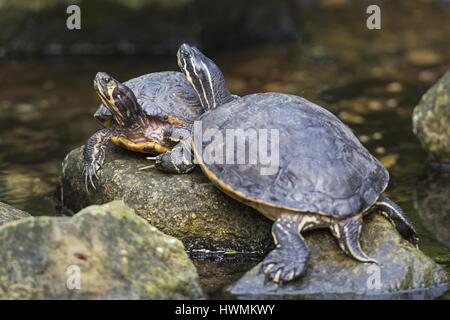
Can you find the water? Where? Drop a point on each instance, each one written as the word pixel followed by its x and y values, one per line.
pixel 370 79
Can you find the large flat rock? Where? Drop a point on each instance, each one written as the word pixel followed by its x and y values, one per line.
pixel 403 270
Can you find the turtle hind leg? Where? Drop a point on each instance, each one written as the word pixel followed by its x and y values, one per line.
pixel 347 233
pixel 398 218
pixel 288 260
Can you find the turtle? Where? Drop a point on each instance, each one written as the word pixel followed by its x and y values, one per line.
pixel 139 114
pixel 323 178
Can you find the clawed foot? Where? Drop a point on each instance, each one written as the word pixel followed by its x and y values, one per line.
pixel 173 161
pixel 90 172
pixel 280 266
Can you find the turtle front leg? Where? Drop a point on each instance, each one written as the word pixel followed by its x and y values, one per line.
pixel 94 155
pixel 179 159
pixel 288 260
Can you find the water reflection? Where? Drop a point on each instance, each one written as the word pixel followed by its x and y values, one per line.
pixel 432 202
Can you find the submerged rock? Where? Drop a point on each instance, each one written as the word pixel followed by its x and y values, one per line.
pixel 8 213
pixel 104 252
pixel 432 202
pixel 423 58
pixel 185 206
pixel 431 120
pixel 403 271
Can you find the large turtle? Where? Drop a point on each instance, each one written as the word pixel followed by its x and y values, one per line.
pixel 142 115
pixel 323 177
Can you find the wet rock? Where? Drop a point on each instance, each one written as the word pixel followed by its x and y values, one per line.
pixel 394 87
pixel 350 118
pixel 423 57
pixel 104 252
pixel 389 160
pixel 432 202
pixel 427 76
pixel 187 206
pixel 431 120
pixel 218 271
pixel 403 271
pixel 8 213
pixel 333 3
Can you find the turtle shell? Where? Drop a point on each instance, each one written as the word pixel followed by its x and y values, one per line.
pixel 163 93
pixel 321 166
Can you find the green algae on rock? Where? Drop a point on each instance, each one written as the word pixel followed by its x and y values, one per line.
pixel 104 252
pixel 431 120
pixel 185 206
pixel 403 271
pixel 9 213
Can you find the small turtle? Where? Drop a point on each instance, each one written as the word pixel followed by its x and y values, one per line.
pixel 144 114
pixel 324 177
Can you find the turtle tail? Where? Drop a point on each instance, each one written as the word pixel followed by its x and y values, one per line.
pixel 398 218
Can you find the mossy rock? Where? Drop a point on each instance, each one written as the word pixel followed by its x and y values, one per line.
pixel 431 120
pixel 8 213
pixel 185 206
pixel 403 271
pixel 104 252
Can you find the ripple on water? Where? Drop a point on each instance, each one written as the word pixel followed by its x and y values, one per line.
pixel 27 190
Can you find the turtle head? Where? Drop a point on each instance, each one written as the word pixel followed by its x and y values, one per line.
pixel 118 99
pixel 204 76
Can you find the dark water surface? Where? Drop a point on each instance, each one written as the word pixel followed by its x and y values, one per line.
pixel 370 79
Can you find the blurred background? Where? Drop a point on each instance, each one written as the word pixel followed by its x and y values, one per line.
pixel 322 50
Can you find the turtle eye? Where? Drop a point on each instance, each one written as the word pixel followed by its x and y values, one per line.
pixel 186 54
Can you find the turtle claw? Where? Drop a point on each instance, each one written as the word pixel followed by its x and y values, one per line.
pixel 90 172
pixel 279 267
pixel 288 260
pixel 156 159
pixel 147 167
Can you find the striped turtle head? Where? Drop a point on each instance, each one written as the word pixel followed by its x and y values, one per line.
pixel 204 76
pixel 118 99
